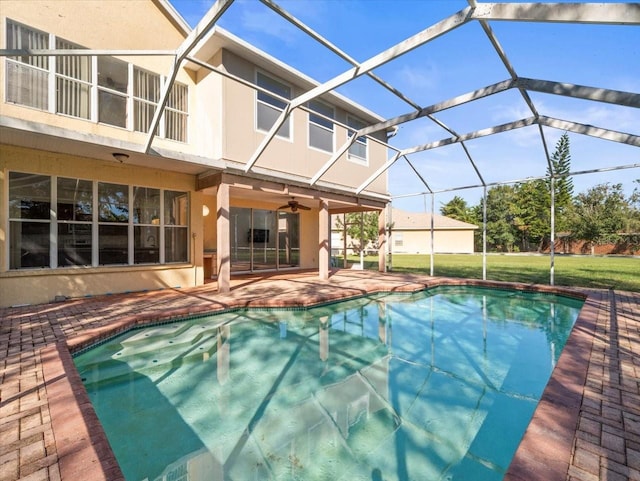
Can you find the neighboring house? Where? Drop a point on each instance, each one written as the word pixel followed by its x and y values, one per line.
pixel 411 234
pixel 107 185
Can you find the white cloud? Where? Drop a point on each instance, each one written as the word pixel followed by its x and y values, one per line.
pixel 256 19
pixel 424 77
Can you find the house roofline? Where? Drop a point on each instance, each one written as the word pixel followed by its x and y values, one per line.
pixel 174 16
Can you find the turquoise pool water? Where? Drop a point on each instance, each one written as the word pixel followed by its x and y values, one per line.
pixel 436 385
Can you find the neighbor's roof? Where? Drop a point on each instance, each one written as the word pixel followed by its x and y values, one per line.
pixel 402 220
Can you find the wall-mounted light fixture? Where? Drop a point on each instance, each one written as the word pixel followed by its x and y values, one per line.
pixel 120 157
pixel 205 211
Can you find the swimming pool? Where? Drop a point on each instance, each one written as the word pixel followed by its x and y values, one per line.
pixel 439 384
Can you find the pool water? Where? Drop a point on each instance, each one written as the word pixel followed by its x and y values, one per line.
pixel 436 385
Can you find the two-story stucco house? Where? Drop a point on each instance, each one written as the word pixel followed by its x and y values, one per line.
pixel 134 154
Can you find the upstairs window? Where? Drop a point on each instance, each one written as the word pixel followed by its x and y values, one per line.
pixel 98 88
pixel 320 126
pixel 27 77
pixel 269 107
pixel 358 150
pixel 73 83
pixel 146 95
pixel 113 79
pixel 175 115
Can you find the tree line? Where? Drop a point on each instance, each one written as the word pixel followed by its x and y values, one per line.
pixel 519 216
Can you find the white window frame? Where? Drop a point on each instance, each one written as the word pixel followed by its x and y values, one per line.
pixel 174 111
pixel 354 124
pixel 314 124
pixel 49 69
pixel 143 100
pixel 277 97
pixel 95 223
pixel 398 239
pixel 36 66
pixel 125 95
pixel 90 84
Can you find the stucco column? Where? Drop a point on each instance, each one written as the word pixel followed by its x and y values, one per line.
pixel 323 241
pixel 223 247
pixel 382 241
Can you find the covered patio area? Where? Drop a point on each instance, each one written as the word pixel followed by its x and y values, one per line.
pixel 586 427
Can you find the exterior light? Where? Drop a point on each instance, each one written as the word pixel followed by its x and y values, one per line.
pixel 120 157
pixel 205 211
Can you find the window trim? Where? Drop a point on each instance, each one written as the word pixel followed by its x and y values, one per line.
pixel 276 96
pixel 356 159
pixel 311 123
pixel 18 61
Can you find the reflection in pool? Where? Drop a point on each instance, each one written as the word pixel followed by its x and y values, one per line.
pixel 439 384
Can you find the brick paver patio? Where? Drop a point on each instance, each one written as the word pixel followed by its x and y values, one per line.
pixel 586 427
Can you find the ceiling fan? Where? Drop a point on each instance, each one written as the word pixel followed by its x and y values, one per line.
pixel 294 205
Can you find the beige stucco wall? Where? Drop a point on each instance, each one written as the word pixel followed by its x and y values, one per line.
pixel 32 286
pixel 206 111
pixel 445 242
pixel 241 137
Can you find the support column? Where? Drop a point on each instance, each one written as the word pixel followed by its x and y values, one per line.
pixel 382 241
pixel 552 268
pixel 433 237
pixel 223 245
pixel 323 241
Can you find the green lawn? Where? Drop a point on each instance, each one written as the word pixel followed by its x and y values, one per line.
pixel 620 273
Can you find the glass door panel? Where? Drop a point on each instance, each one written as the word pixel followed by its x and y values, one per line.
pixel 239 226
pixel 263 239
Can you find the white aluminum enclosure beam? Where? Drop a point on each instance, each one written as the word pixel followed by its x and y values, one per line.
pixel 596 13
pixel 441 143
pixel 471 135
pixel 340 53
pixel 378 172
pixel 618 97
pixel 421 38
pixel 590 130
pixel 334 158
pixel 82 52
pixel 426 184
pixel 204 25
pixel 424 112
pixel 568 90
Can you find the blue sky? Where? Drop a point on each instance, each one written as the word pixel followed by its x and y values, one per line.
pixel 459 62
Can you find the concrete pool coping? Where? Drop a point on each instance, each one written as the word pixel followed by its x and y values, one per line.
pixel 53 432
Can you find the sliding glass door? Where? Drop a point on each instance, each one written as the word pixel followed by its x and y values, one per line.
pixel 263 239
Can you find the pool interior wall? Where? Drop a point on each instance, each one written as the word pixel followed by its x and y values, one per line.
pixel 399 389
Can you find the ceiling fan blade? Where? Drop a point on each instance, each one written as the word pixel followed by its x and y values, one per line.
pixel 303 207
pixel 284 207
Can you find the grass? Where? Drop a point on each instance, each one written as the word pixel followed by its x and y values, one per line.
pixel 620 273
